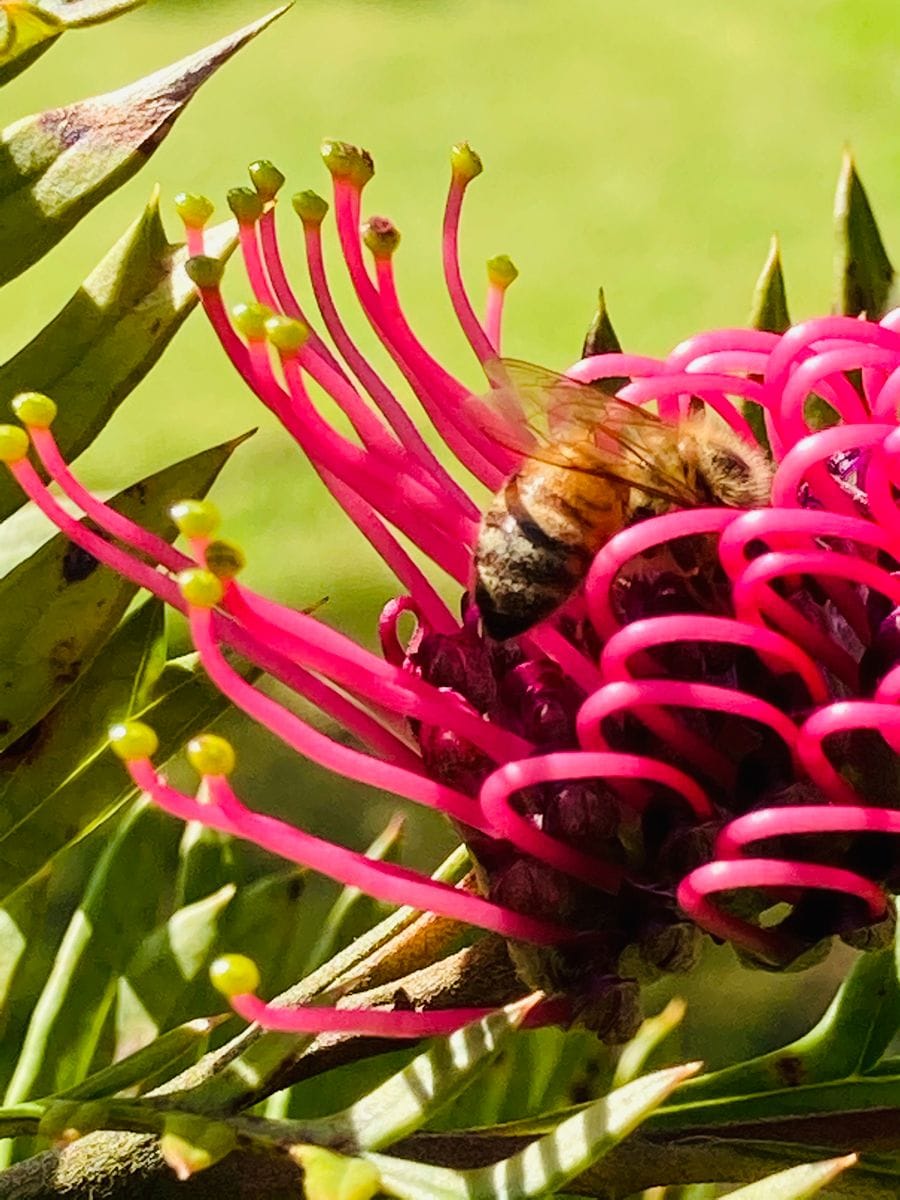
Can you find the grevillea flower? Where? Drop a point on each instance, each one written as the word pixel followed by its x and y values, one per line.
pixel 704 739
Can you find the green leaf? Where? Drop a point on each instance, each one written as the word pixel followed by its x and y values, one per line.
pixel 330 1176
pixel 26 32
pixel 547 1164
pixel 59 607
pixel 601 338
pixel 152 987
pixel 852 1035
pixel 57 165
pixel 161 1059
pixel 181 703
pixel 334 930
pixel 410 1098
pixel 108 336
pixel 75 13
pixel 796 1183
pixel 652 1032
pixel 863 271
pixel 118 908
pixel 205 863
pixel 191 1143
pixel 769 309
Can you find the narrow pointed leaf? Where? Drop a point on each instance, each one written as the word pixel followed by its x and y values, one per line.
pixel 26 32
pixel 74 13
pixel 411 1097
pixel 160 973
pixel 547 1164
pixel 57 165
pixel 334 931
pixel 181 703
pixel 797 1183
pixel 161 1059
pixel 601 338
pixel 60 606
pixel 652 1032
pixel 205 863
pixel 769 308
pixel 107 337
pixel 114 914
pixel 863 271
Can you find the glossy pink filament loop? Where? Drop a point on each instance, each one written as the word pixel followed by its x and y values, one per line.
pixel 807 460
pixel 613 365
pixel 642 637
pixel 565 766
pixel 385 881
pixel 636 696
pixel 751 341
pixel 392 649
pixel 830 366
pixel 695 894
pixel 712 389
pixel 753 598
pixel 804 819
pixel 635 540
pixel 842 717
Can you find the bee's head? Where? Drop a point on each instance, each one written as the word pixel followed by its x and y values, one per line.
pixel 729 470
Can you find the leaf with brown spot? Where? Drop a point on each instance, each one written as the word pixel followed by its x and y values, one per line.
pixel 57 165
pixel 52 626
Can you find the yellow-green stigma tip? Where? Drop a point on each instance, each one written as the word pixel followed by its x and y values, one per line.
pixel 250 320
pixel 310 207
pixel 286 334
pixel 266 178
pixel 194 210
pixel 349 162
pixel 464 162
pixel 381 236
pixel 502 271
pixel 133 740
pixel 234 975
pixel 200 587
pixel 210 754
pixel 225 559
pixel 195 518
pixel 34 409
pixel 14 443
pixel 204 272
pixel 246 204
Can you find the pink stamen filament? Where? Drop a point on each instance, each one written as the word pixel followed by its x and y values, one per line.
pixel 485 349
pixel 696 890
pixel 493 315
pixel 842 717
pixel 393 412
pixel 368 1022
pixel 385 881
pixel 805 819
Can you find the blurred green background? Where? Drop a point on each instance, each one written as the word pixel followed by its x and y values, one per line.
pixel 648 147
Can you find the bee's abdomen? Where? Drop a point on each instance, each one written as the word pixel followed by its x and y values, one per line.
pixel 524 572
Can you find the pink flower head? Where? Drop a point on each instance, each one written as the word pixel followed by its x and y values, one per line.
pixel 706 731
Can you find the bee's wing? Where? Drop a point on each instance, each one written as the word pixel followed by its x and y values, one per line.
pixel 553 419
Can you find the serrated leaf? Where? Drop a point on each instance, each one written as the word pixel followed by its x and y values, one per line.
pixel 57 165
pixel 161 1059
pixel 863 271
pixel 548 1163
pixel 118 908
pixel 60 606
pixel 769 308
pixel 409 1099
pixel 796 1183
pixel 108 336
pixel 26 32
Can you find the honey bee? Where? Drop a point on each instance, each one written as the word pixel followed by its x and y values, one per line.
pixel 592 465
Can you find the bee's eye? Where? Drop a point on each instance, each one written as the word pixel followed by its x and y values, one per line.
pixel 731 466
